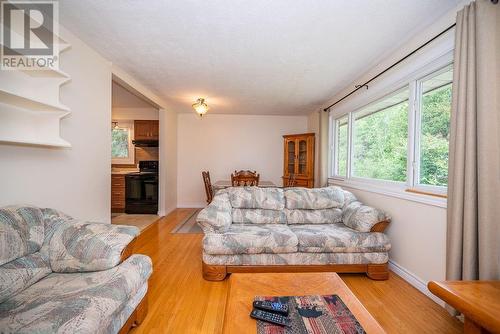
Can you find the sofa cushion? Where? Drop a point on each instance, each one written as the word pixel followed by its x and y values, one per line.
pixel 256 198
pixel 300 259
pixel 258 216
pixel 320 216
pixel 251 239
pixel 21 273
pixel 361 217
pixel 75 303
pixel 316 198
pixel 82 246
pixel 119 320
pixel 348 198
pixel 337 238
pixel 21 232
pixel 216 217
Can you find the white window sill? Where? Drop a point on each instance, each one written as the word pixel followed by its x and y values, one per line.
pixel 389 191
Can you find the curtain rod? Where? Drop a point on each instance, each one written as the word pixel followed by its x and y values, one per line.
pixel 358 87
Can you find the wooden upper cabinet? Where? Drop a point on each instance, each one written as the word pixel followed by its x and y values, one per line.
pixel 299 159
pixel 146 130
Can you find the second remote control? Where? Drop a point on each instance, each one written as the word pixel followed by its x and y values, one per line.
pixel 270 306
pixel 273 318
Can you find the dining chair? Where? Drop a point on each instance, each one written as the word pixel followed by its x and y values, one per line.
pixel 244 178
pixel 291 181
pixel 208 186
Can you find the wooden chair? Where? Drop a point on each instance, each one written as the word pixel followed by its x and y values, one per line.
pixel 208 186
pixel 244 178
pixel 291 181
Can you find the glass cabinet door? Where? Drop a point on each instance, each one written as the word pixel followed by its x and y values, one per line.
pixel 302 163
pixel 291 157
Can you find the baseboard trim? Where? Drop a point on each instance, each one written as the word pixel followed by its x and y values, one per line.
pixel 414 280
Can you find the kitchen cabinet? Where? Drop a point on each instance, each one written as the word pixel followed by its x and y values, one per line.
pixel 146 130
pixel 299 160
pixel 117 193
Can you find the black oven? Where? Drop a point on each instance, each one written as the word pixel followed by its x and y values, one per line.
pixel 141 189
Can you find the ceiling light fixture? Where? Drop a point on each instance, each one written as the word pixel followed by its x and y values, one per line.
pixel 200 107
pixel 114 125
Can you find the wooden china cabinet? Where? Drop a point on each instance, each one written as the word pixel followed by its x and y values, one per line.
pixel 299 160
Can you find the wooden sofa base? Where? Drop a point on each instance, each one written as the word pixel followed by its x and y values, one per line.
pixel 373 271
pixel 137 316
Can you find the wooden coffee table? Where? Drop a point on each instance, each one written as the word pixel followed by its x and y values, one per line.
pixel 244 287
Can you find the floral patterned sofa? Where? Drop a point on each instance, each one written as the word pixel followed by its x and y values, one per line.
pixel 251 229
pixel 61 275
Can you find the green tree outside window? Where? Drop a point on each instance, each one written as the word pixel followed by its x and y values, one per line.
pixel 119 143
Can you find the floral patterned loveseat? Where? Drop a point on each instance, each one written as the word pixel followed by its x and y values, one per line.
pixel 254 229
pixel 61 275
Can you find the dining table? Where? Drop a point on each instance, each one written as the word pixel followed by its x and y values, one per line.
pixel 221 184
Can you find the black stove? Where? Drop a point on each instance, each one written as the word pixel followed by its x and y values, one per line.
pixel 141 189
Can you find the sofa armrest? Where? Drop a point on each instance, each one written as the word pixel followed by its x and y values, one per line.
pixel 364 218
pixel 216 217
pixel 77 246
pixel 380 226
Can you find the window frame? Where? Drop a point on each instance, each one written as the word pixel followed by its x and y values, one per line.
pixel 130 160
pixel 399 189
pixel 416 185
pixel 336 146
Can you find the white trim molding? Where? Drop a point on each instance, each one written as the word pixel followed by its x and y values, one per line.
pixel 414 280
pixel 396 192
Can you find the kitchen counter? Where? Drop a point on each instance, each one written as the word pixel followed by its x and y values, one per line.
pixel 123 171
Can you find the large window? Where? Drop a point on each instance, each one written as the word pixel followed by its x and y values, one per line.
pixel 400 139
pixel 122 151
pixel 380 139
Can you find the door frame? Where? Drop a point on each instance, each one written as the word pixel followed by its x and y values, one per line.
pixel 138 89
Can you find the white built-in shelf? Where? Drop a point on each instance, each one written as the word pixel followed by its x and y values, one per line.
pixel 29 103
pixel 30 107
pixel 47 74
pixel 63 46
pixel 57 142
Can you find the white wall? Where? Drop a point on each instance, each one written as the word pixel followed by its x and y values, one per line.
pixel 418 237
pixel 168 161
pixel 317 122
pixel 135 114
pixel 223 143
pixel 75 180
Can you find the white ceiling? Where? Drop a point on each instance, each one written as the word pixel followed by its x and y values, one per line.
pixel 122 98
pixel 248 57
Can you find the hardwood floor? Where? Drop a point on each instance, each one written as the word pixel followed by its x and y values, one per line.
pixel 181 301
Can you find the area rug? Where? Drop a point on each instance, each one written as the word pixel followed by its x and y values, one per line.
pixel 140 221
pixel 313 315
pixel 188 225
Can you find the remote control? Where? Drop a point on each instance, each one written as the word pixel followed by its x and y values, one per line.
pixel 275 307
pixel 273 318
